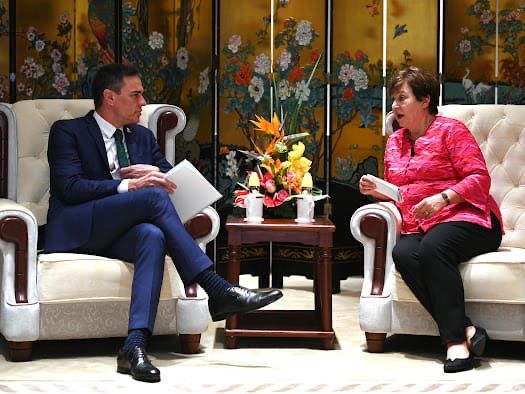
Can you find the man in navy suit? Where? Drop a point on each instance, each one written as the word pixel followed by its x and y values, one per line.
pixel 110 197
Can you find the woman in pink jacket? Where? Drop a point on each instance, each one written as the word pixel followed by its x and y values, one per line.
pixel 448 215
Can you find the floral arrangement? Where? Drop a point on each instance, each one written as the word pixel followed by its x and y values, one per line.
pixel 281 165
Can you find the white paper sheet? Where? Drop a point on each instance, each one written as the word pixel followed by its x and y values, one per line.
pixel 193 193
pixel 386 188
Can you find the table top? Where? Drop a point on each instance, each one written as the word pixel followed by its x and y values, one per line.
pixel 320 224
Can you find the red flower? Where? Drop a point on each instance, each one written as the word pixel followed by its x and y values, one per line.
pixel 359 55
pixel 269 202
pixel 295 74
pixel 234 60
pixel 269 185
pixel 347 54
pixel 281 195
pixel 348 94
pixel 314 55
pixel 224 150
pixel 244 75
pixel 240 195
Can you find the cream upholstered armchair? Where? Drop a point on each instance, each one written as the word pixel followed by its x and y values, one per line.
pixel 65 295
pixel 494 282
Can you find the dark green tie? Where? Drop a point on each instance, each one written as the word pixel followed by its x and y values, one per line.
pixel 122 157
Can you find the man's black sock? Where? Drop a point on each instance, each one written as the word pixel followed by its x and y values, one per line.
pixel 214 284
pixel 137 337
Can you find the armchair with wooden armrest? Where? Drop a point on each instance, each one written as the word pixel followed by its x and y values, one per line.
pixel 493 282
pixel 73 296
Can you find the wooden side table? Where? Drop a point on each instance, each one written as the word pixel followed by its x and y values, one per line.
pixel 315 323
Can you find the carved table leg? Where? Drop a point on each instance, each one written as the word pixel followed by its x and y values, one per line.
pixel 233 271
pixel 324 289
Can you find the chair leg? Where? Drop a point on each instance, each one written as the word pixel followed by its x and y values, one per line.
pixel 190 343
pixel 375 342
pixel 21 351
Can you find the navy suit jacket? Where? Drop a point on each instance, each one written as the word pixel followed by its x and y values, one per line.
pixel 80 175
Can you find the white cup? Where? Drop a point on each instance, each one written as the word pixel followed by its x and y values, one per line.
pixel 254 207
pixel 305 209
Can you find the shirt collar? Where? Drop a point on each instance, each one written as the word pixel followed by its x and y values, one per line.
pixel 107 128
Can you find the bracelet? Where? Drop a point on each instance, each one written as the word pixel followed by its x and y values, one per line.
pixel 445 197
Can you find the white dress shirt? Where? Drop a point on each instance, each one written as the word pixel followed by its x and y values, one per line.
pixel 108 130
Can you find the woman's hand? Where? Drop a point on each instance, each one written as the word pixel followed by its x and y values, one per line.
pixel 366 185
pixel 429 206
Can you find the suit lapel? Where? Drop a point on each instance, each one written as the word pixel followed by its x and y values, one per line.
pixel 96 134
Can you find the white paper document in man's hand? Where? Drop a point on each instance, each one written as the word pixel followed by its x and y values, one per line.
pixel 386 188
pixel 193 193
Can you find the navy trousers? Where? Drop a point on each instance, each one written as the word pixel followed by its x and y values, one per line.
pixel 141 227
pixel 428 263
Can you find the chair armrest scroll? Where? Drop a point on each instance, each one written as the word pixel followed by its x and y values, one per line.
pixel 19 232
pixel 377 227
pixel 166 121
pixel 212 227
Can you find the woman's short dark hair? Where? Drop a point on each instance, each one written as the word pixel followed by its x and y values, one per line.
pixel 110 76
pixel 422 83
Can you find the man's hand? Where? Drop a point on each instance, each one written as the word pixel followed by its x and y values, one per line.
pixel 152 179
pixel 137 170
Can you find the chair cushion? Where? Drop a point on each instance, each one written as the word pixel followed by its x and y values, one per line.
pixel 69 277
pixel 496 277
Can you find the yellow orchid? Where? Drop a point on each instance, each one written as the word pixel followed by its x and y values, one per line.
pixel 296 152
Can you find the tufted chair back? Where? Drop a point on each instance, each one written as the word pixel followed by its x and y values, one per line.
pixel 500 133
pixel 28 170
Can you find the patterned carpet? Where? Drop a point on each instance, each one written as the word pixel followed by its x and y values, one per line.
pixel 269 365
pixel 357 387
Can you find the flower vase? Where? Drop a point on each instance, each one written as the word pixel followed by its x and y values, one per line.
pixel 286 210
pixel 254 207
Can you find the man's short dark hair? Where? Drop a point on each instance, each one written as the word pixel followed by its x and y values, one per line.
pixel 110 76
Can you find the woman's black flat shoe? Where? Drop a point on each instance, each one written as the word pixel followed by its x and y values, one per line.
pixel 459 364
pixel 478 341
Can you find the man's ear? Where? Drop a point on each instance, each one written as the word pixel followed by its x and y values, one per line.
pixel 109 96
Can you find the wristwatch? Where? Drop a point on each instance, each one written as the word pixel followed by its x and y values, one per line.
pixel 445 197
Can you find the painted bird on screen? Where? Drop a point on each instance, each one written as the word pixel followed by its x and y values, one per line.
pixel 400 30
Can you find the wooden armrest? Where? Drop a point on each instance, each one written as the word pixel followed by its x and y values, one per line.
pixel 14 229
pixel 4 154
pixel 166 121
pixel 374 226
pixel 199 225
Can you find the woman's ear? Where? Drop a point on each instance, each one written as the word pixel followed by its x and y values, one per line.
pixel 426 101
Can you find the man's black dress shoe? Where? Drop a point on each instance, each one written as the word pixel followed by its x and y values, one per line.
pixel 137 364
pixel 238 299
pixel 459 364
pixel 478 341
